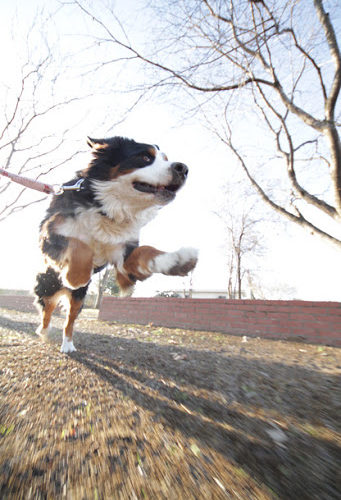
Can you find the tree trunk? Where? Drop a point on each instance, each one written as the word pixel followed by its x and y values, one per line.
pixel 101 287
pixel 239 273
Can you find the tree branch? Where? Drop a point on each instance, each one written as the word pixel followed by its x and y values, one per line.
pixel 298 219
pixel 290 160
pixel 335 52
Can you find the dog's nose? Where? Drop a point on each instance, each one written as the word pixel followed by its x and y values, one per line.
pixel 180 168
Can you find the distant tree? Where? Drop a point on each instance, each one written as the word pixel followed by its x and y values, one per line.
pixel 112 287
pixel 241 218
pixel 106 284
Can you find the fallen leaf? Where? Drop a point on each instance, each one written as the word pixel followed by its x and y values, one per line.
pixel 141 471
pixel 278 436
pixel 219 483
pixel 195 449
pixel 179 357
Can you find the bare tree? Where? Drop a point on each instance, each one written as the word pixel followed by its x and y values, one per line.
pixel 33 128
pixel 279 59
pixel 106 283
pixel 243 240
pixel 241 219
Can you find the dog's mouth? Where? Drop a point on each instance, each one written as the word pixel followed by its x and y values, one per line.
pixel 164 191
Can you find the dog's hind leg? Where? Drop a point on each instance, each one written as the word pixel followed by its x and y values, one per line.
pixel 71 257
pixel 48 291
pixel 76 272
pixel 46 312
pixel 76 299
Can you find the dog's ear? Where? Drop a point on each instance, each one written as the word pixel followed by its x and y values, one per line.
pixel 96 143
pixel 89 141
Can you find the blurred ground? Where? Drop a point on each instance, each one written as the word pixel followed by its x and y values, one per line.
pixel 153 413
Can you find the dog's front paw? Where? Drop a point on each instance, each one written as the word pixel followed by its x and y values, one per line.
pixel 178 263
pixel 67 346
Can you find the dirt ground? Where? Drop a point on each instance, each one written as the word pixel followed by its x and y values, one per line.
pixel 143 412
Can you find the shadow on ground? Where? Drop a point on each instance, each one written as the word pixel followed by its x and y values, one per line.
pixel 256 410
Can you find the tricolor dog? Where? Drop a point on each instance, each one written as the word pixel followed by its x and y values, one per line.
pixel 83 231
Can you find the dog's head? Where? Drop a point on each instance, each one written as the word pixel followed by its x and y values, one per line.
pixel 140 171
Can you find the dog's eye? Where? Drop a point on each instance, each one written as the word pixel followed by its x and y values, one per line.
pixel 147 159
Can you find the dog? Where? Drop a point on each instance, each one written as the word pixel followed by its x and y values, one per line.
pixel 85 230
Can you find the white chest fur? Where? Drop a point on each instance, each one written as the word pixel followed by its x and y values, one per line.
pixel 105 236
pixel 127 212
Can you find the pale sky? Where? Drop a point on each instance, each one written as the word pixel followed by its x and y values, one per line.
pixel 293 258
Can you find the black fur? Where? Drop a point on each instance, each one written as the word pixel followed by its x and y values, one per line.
pixel 54 246
pixel 48 284
pixel 129 249
pixel 119 151
pixel 80 293
pixel 132 278
pixel 67 203
pixel 99 269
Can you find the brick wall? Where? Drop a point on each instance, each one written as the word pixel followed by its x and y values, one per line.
pixel 18 302
pixel 316 322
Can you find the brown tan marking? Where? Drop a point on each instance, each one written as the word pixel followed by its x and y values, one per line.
pixel 124 282
pixel 47 310
pixel 77 262
pixel 50 303
pixel 97 145
pixel 136 267
pixel 75 307
pixel 50 225
pixel 152 152
pixel 114 172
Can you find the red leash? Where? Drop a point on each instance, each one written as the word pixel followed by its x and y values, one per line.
pixel 41 186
